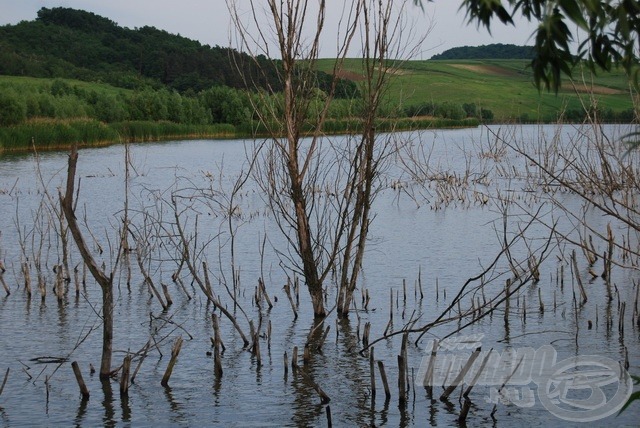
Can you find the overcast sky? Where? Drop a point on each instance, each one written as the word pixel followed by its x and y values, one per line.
pixel 208 21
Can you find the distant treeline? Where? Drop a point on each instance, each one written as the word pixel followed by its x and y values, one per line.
pixel 492 51
pixel 69 43
pixel 55 112
pixel 22 100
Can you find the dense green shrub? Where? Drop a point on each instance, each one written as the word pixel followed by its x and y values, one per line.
pixel 12 110
pixel 449 110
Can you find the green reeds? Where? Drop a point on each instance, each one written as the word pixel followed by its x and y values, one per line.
pixel 51 134
pixel 48 134
pixel 140 131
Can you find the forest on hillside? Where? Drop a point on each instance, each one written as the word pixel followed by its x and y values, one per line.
pixel 148 79
pixel 70 43
pixel 492 51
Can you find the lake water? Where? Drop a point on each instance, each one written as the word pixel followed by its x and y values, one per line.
pixel 444 231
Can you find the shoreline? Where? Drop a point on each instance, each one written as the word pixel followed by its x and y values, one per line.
pixel 51 135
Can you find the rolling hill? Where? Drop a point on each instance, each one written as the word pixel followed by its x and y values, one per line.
pixel 504 86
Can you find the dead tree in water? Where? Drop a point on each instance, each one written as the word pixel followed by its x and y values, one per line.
pixel 382 27
pixel 104 280
pixel 298 163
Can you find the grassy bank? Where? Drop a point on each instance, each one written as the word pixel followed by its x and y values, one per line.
pixel 50 134
pixel 53 134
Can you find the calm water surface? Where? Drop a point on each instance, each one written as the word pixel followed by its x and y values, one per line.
pixel 415 234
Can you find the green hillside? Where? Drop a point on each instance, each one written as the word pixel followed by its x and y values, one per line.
pixel 70 43
pixel 503 86
pixel 71 76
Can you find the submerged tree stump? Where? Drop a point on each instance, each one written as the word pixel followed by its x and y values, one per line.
pixel 175 351
pixel 124 380
pixel 76 371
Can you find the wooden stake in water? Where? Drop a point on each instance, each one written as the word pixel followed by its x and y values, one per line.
pixel 76 280
pixel 27 278
pixel 404 291
pixel 402 388
pixel 383 377
pixel 391 304
pixel 124 379
pixel 428 376
pixel 167 296
pixel 405 358
pixel 623 306
pixel 460 376
pixel 217 346
pixel 294 359
pixel 76 371
pixel 286 364
pixel 365 334
pixel 464 411
pixel 540 301
pixel 607 261
pixel 372 374
pixel 576 273
pixel 175 351
pixel 507 301
pixel 264 292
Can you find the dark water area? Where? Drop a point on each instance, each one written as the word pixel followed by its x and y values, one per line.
pixel 426 241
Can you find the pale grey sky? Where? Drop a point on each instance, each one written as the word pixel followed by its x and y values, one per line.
pixel 208 21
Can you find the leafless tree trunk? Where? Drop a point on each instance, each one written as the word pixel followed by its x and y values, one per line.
pixel 383 50
pixel 294 171
pixel 290 22
pixel 104 281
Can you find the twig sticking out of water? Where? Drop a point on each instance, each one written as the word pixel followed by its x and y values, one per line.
pixel 576 272
pixel 263 292
pixel 287 290
pixel 144 350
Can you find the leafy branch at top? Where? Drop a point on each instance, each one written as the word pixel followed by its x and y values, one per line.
pixel 612 29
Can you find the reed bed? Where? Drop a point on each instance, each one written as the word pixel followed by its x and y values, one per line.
pixel 54 134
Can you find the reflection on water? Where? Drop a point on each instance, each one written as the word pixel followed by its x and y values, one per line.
pixel 447 244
